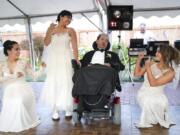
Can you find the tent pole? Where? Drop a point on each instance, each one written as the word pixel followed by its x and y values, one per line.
pixel 31 44
pixel 92 22
pixel 102 15
pixel 29 31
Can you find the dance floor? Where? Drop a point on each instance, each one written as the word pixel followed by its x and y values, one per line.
pixel 129 115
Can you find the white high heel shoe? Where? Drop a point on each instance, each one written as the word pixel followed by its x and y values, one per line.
pixel 55 116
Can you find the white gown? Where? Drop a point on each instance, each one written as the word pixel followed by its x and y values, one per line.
pixel 153 103
pixel 57 91
pixel 18 102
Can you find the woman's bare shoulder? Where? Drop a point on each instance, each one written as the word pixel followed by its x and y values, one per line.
pixel 70 30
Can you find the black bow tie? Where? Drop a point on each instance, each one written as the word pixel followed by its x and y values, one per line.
pixel 102 50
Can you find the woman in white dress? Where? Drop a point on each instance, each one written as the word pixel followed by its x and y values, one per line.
pixel 18 102
pixel 62 48
pixel 151 98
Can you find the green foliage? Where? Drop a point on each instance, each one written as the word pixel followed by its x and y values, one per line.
pixel 38 48
pixel 122 52
pixel 129 62
pixel 82 51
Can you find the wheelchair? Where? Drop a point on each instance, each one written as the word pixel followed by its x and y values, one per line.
pixel 94 94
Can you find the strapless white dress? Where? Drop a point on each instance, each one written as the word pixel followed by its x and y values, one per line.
pixel 57 89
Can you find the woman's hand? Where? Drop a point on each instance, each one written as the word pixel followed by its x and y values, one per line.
pixel 78 62
pixel 43 64
pixel 141 56
pixel 51 29
pixel 148 63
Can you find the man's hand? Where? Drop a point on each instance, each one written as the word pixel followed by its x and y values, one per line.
pixel 107 64
pixel 78 62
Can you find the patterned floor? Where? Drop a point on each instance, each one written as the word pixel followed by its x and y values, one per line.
pixel 129 115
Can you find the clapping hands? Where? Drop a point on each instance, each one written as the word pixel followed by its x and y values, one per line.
pixel 148 63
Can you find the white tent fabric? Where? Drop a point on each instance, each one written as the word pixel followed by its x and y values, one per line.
pixel 36 9
pixel 41 10
pixel 43 7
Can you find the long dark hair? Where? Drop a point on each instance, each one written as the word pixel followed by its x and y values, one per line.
pixel 169 54
pixel 63 13
pixel 8 45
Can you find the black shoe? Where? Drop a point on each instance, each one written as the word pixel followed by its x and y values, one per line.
pixel 118 88
pixel 68 118
pixel 55 119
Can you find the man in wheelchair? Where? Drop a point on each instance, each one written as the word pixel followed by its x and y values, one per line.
pixel 97 79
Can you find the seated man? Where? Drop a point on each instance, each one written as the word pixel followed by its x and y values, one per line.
pixel 95 84
pixel 99 76
pixel 101 55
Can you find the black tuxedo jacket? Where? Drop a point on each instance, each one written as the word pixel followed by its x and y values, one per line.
pixel 110 57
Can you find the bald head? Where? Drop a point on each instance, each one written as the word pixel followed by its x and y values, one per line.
pixel 142 27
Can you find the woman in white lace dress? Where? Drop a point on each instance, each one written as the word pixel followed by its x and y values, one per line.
pixel 151 98
pixel 62 48
pixel 18 102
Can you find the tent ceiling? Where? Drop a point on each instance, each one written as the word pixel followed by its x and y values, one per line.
pixel 36 9
pixel 43 7
pixel 21 9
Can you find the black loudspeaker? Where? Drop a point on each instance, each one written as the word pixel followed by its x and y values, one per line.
pixel 120 17
pixel 153 45
pixel 177 44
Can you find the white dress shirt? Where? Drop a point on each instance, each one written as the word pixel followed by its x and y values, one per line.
pixel 98 57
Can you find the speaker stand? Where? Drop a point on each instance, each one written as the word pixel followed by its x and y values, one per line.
pixel 121 54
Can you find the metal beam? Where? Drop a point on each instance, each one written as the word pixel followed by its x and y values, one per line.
pixel 13 17
pixel 91 22
pixel 98 6
pixel 31 44
pixel 29 31
pixel 102 14
pixel 46 15
pixel 106 5
pixel 92 11
pixel 17 8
